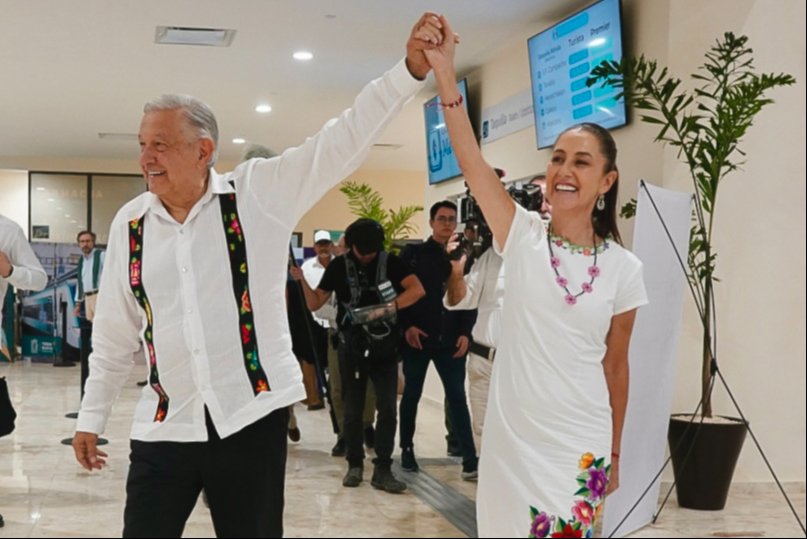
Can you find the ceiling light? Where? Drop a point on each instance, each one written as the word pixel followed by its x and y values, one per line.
pixel 303 56
pixel 40 188
pixel 210 37
pixel 67 216
pixel 239 141
pixel 51 200
pixel 263 109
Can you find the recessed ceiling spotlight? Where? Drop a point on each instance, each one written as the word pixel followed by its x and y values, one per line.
pixel 51 200
pixel 239 141
pixel 263 109
pixel 40 188
pixel 303 56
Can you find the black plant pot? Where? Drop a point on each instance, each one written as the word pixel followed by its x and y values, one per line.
pixel 704 479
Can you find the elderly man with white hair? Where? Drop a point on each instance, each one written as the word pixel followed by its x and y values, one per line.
pixel 196 268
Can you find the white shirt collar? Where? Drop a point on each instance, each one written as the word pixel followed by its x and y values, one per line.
pixel 217 185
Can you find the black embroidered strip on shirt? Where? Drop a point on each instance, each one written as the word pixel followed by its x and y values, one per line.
pixel 136 281
pixel 237 248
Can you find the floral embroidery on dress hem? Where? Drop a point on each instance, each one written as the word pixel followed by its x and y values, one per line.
pixel 593 482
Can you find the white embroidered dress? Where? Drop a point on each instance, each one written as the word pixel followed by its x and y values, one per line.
pixel 548 431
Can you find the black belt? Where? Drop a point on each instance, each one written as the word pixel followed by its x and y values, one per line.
pixel 482 351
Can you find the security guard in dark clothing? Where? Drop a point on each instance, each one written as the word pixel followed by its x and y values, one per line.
pixel 370 286
pixel 435 334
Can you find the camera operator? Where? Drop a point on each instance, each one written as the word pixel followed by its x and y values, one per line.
pixel 483 289
pixel 370 286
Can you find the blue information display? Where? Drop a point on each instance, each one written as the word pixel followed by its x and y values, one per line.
pixel 442 162
pixel 561 59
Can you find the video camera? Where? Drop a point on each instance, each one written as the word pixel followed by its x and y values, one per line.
pixel 528 196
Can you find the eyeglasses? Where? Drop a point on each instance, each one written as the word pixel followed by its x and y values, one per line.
pixel 444 219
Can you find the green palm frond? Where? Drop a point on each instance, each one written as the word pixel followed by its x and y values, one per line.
pixel 363 201
pixel 366 203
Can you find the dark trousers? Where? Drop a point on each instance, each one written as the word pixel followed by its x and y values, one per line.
pixel 243 475
pixel 452 374
pixel 355 370
pixel 451 436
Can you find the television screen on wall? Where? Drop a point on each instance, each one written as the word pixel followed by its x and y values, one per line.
pixel 442 162
pixel 561 60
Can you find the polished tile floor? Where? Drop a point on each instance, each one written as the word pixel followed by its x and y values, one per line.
pixel 44 493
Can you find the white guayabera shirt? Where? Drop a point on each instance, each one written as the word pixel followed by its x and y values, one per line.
pixel 207 297
pixel 485 291
pixel 28 273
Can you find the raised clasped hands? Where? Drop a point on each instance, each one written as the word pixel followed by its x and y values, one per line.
pixel 428 47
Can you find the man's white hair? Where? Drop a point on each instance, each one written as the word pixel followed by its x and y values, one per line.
pixel 199 116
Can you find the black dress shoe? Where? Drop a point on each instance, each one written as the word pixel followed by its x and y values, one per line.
pixel 2 523
pixel 454 451
pixel 295 435
pixel 144 383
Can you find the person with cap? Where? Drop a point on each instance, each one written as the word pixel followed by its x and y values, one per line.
pixel 313 269
pixel 370 286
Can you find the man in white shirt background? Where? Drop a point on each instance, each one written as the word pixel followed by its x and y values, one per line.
pixel 19 267
pixel 313 269
pixel 221 369
pixel 483 289
pixel 90 269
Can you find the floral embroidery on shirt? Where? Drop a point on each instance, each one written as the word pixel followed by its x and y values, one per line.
pixel 593 482
pixel 139 291
pixel 561 243
pixel 240 273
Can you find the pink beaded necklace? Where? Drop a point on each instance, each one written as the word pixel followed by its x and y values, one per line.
pixel 593 272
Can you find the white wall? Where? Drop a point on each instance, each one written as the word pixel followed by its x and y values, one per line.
pixel 761 214
pixel 759 237
pixel 14 196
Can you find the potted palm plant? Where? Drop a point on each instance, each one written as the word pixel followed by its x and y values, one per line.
pixel 706 126
pixel 367 203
